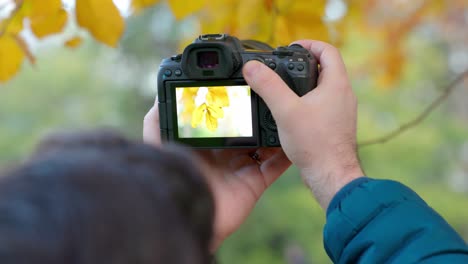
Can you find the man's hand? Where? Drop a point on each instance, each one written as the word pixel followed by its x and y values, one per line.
pixel 317 131
pixel 237 177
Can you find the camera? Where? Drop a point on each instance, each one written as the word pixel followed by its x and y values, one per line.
pixel 204 101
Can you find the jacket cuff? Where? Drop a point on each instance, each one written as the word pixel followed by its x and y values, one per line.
pixel 345 191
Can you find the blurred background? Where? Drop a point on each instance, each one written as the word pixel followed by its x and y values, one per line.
pixel 401 56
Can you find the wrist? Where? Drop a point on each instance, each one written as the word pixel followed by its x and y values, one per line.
pixel 326 181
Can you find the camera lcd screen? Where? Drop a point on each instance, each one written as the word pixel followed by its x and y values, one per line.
pixel 214 111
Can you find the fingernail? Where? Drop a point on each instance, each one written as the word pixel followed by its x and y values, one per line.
pixel 251 68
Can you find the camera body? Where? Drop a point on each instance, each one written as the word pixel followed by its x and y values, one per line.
pixel 205 102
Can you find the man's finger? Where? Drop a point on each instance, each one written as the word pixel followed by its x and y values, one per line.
pixel 275 166
pixel 271 88
pixel 151 132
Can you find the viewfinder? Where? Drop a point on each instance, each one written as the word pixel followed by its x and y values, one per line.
pixel 207 59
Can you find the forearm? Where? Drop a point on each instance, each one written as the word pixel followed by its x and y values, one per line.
pixel 377 221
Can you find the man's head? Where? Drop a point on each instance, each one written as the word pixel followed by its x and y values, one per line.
pixel 99 198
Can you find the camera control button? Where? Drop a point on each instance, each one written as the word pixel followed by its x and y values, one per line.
pixel 178 72
pixel 282 52
pixel 272 140
pixel 291 66
pixel 177 57
pixel 272 65
pixel 168 73
pixel 300 67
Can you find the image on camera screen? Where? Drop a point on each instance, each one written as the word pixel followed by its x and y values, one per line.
pixel 214 111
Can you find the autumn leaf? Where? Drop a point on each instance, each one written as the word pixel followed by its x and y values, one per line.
pixel 253 20
pixel 211 114
pixel 181 9
pixel 14 23
pixel 217 96
pixel 215 111
pixel 391 61
pixel 197 115
pixel 43 8
pixel 11 57
pixel 138 5
pixel 212 109
pixel 269 4
pixel 219 16
pixel 102 19
pixel 300 19
pixel 313 9
pixel 211 121
pixel 74 42
pixel 43 26
pixel 188 100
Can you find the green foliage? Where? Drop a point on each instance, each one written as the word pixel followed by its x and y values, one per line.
pixel 67 93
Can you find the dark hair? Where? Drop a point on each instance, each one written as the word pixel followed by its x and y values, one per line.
pixel 99 198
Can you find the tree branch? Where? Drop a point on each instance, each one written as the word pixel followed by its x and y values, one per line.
pixel 445 93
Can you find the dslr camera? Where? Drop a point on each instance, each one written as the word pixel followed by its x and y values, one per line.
pixel 204 101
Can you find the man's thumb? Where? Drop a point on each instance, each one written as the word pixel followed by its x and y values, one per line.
pixel 271 88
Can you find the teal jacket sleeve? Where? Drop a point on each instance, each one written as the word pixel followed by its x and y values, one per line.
pixel 383 221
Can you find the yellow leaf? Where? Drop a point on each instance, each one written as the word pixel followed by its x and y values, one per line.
pixel 219 16
pixel 102 19
pixel 254 20
pixel 74 42
pixel 390 63
pixel 190 92
pixel 312 8
pixel 181 9
pixel 44 8
pixel 46 17
pixel 11 57
pixel 269 4
pixel 14 24
pixel 141 4
pixel 24 46
pixel 211 121
pixel 188 101
pixel 215 111
pixel 283 34
pixel 197 115
pixel 300 19
pixel 217 96
pixel 43 26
